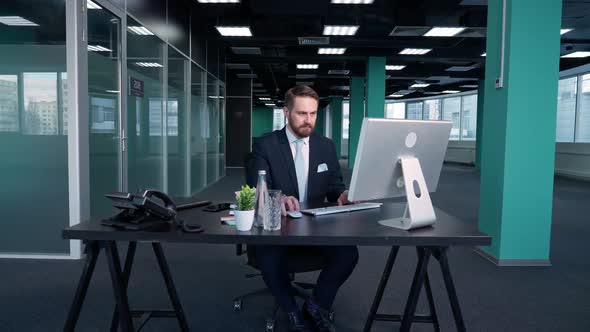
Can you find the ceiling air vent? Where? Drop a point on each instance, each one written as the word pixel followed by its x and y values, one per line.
pixel 338 72
pixel 314 40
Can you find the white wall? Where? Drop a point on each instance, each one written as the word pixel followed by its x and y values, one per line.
pixel 571 160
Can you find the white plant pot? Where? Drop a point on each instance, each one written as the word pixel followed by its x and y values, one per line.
pixel 244 220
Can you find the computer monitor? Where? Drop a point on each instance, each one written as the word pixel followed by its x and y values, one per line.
pixel 394 155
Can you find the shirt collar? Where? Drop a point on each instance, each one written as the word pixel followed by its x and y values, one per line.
pixel 291 137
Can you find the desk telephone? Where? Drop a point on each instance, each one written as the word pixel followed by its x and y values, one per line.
pixel 148 209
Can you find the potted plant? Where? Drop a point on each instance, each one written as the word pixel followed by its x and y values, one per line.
pixel 244 212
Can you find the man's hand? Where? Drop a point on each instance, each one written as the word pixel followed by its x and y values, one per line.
pixel 343 199
pixel 289 203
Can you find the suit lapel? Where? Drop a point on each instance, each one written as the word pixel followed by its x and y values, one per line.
pixel 288 158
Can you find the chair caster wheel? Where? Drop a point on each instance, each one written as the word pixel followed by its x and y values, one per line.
pixel 237 305
pixel 270 325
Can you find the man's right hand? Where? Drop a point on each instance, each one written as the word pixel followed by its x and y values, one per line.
pixel 289 203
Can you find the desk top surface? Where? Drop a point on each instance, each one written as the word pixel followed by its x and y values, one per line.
pixel 352 228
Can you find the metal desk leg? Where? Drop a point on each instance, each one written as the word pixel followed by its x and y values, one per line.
pixel 92 251
pixel 170 286
pixel 381 288
pixel 119 287
pixel 126 274
pixel 446 272
pixel 430 298
pixel 421 269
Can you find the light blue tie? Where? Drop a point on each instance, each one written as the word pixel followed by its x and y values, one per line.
pixel 300 170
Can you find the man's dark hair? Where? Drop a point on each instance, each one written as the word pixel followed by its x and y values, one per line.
pixel 299 91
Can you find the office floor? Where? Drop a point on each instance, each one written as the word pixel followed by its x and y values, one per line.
pixel 35 294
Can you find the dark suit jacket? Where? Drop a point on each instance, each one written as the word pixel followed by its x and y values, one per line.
pixel 271 152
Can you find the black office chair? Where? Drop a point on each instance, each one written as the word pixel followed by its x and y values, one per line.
pixel 299 262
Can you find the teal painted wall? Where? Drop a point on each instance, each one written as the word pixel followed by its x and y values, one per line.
pixel 336 111
pixel 376 87
pixel 356 115
pixel 517 163
pixel 261 120
pixel 320 127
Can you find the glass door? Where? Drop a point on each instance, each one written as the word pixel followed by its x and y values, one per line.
pixel 104 102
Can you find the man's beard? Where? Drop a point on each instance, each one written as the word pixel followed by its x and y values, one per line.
pixel 303 130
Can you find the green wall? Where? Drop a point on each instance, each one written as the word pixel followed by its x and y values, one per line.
pixel 356 115
pixel 261 120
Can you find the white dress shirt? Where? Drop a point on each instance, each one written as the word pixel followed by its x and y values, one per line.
pixel 305 150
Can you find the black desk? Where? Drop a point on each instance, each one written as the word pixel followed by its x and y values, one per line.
pixel 355 228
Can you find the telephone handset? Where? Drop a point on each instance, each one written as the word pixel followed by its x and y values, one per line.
pixel 148 209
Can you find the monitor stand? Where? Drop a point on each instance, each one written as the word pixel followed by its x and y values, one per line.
pixel 419 211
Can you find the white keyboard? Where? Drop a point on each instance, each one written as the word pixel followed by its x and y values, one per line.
pixel 341 208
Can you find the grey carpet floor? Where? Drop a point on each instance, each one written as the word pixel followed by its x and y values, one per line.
pixel 35 294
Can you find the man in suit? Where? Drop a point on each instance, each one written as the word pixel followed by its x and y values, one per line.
pixel 304 166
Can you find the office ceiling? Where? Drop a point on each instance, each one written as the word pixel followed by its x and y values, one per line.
pixel 274 50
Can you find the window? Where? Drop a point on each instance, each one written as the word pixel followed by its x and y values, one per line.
pixel 469 118
pixel 566 109
pixel 102 111
pixel 345 120
pixel 583 120
pixel 451 112
pixel 155 116
pixel 40 94
pixel 278 119
pixel 395 110
pixel 414 111
pixel 432 109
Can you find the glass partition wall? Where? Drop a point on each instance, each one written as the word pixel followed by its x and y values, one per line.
pixel 141 114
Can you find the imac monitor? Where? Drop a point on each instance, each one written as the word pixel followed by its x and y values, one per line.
pixel 391 149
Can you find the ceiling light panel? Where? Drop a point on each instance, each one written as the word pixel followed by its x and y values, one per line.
pixel 415 51
pixel 92 5
pixel 579 54
pixel 451 91
pixel 394 67
pixel 234 31
pixel 444 31
pixel 420 85
pixel 98 48
pixel 331 50
pixel 459 68
pixel 307 66
pixel 564 31
pixel 139 30
pixel 340 30
pixel 149 64
pixel 352 2
pixel 17 21
pixel 396 95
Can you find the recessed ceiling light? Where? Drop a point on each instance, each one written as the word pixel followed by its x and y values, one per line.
pixel 578 54
pixel 415 51
pixel 451 91
pixel 469 86
pixel 17 21
pixel 98 48
pixel 218 1
pixel 340 30
pixel 308 66
pixel 92 5
pixel 484 54
pixel 264 98
pixel 396 95
pixel 394 67
pixel 270 104
pixel 331 50
pixel 112 91
pixel 444 31
pixel 216 97
pixel 139 30
pixel 419 85
pixel 149 64
pixel 352 2
pixel 234 31
pixel 564 31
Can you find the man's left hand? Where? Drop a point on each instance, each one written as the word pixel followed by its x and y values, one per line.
pixel 343 199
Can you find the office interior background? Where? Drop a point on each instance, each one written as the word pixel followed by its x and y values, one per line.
pixel 105 95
